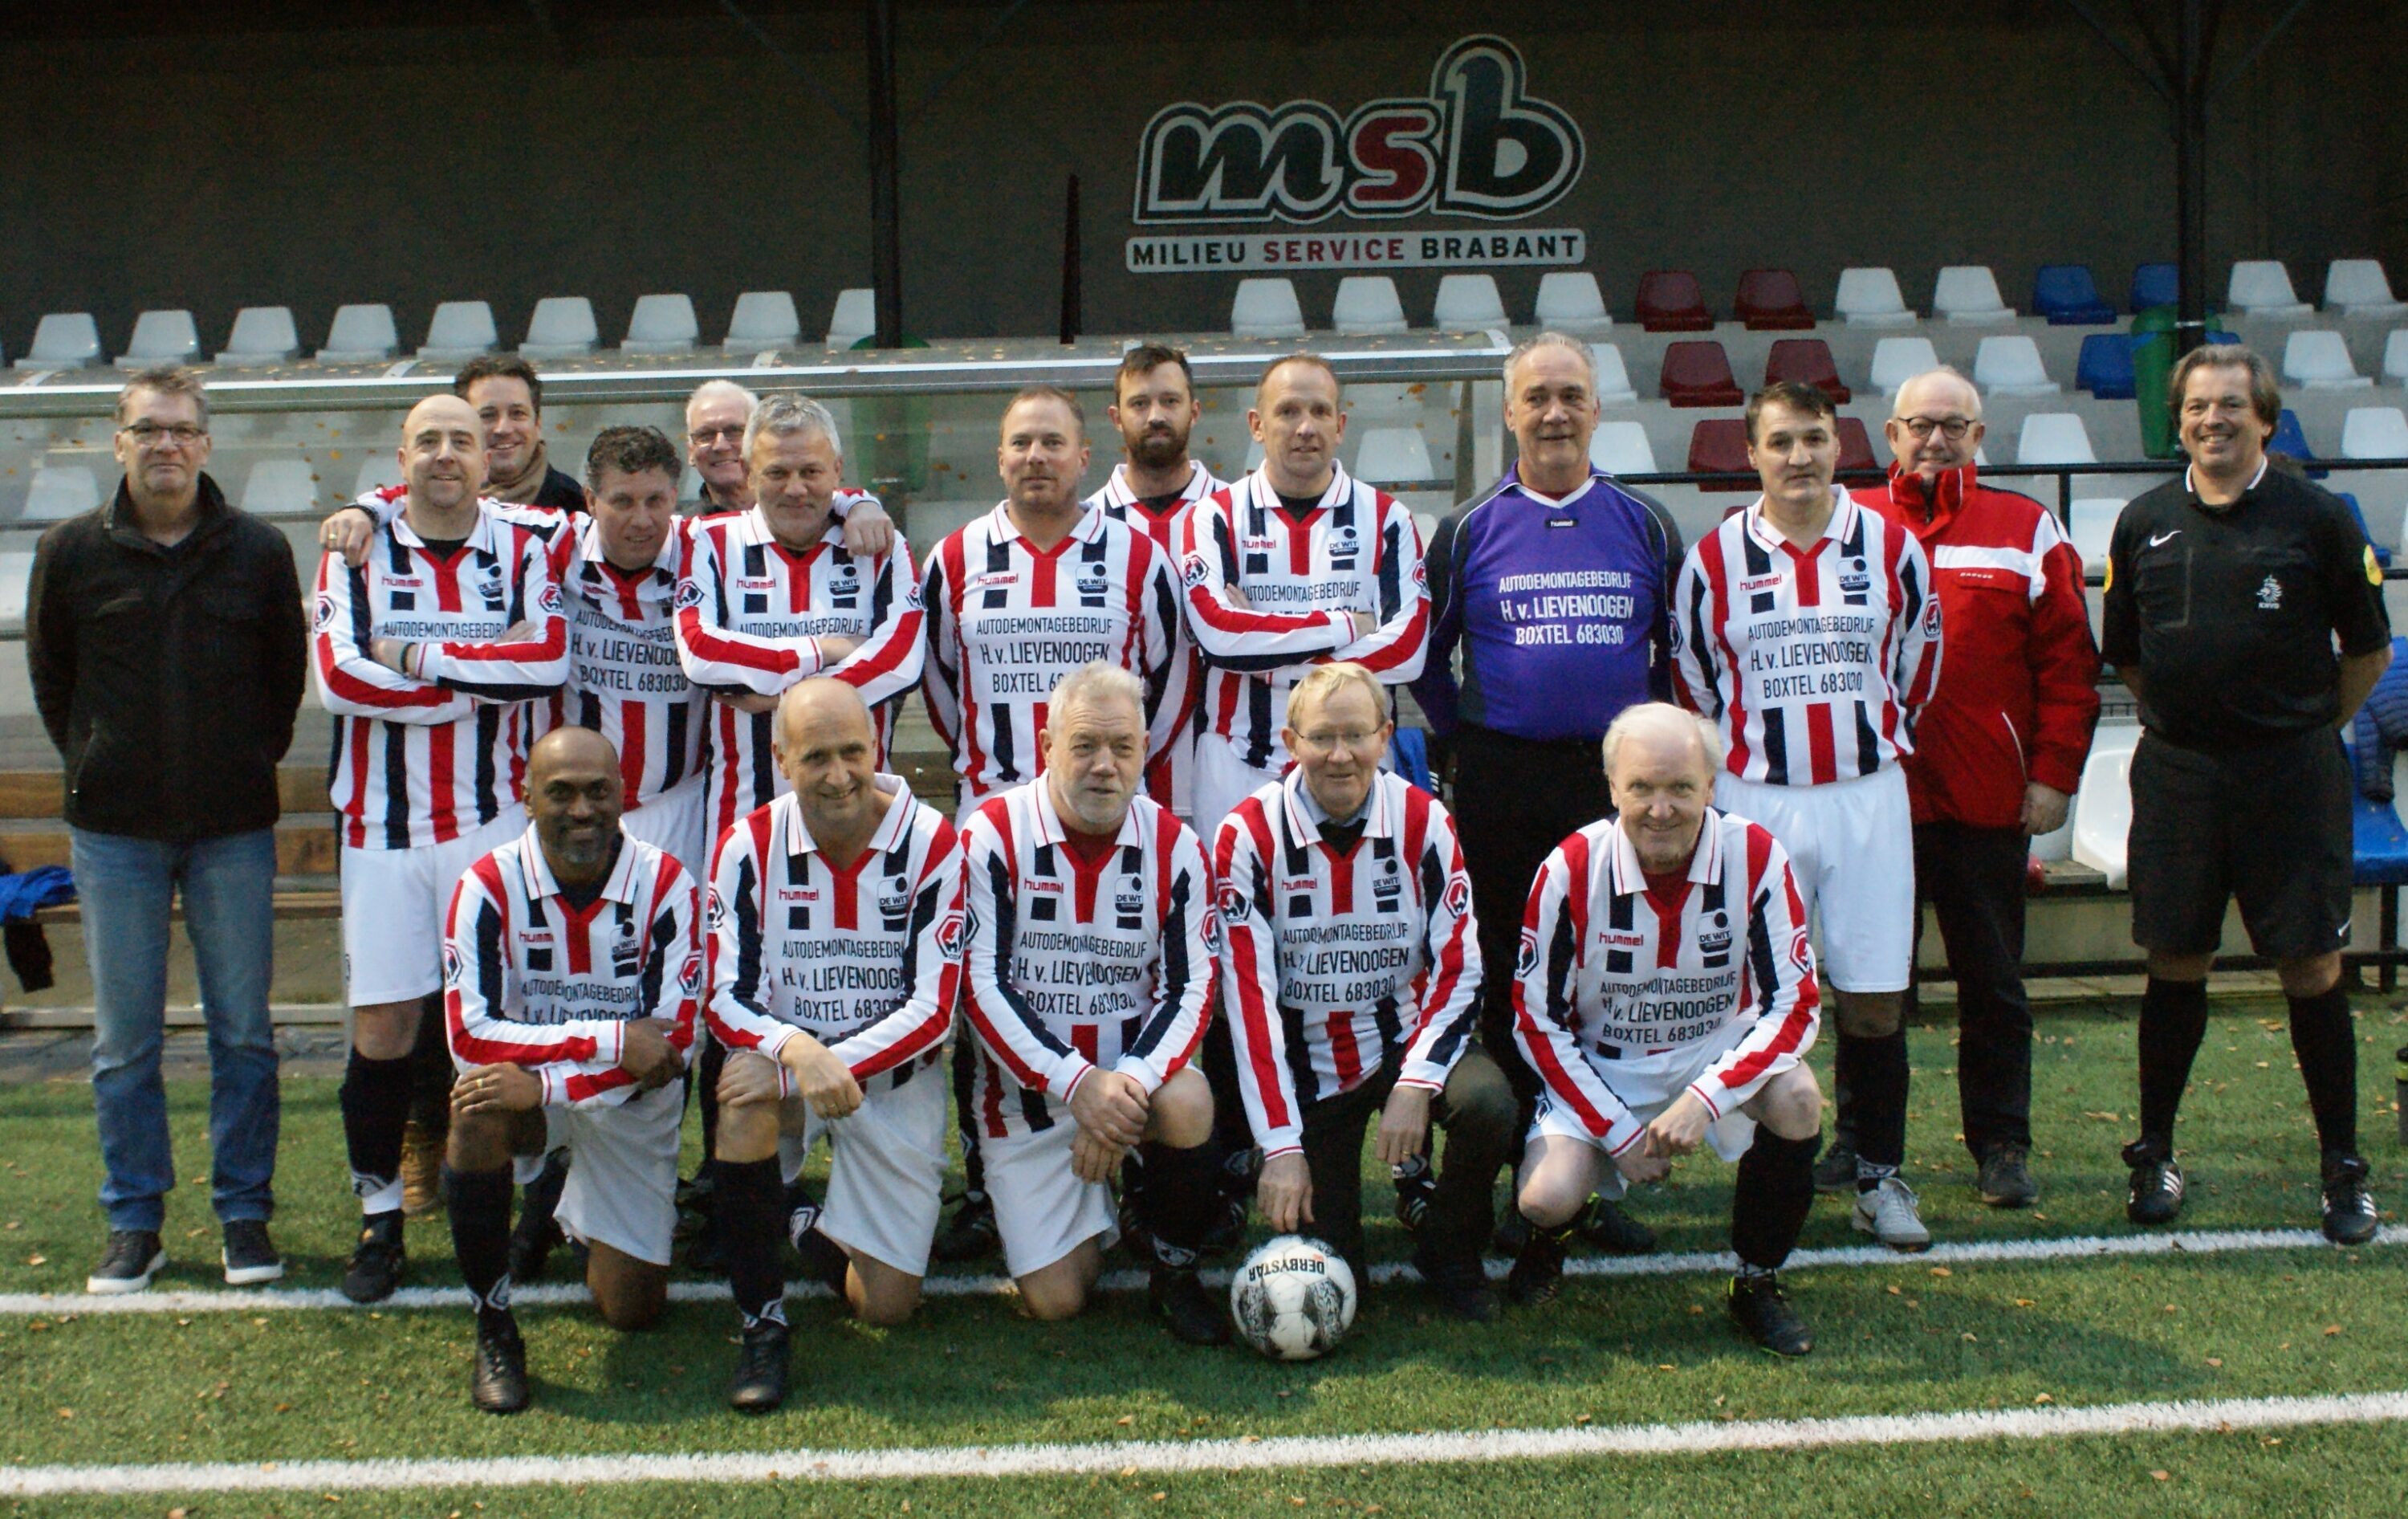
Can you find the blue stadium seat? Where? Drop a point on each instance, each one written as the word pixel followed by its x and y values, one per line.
pixel 2382 554
pixel 2069 297
pixel 1408 756
pixel 2378 842
pixel 2105 367
pixel 2290 438
pixel 2154 284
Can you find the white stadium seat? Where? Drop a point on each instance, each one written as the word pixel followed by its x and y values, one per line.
pixel 1394 456
pixel 1367 305
pixel 262 334
pixel 1871 298
pixel 161 338
pixel 376 471
pixel 2008 363
pixel 2395 356
pixel 60 492
pixel 2375 432
pixel 663 323
pixel 1569 301
pixel 1467 303
pixel 856 317
pixel 2102 808
pixel 561 327
pixel 460 330
pixel 2262 288
pixel 1266 307
pixel 1621 447
pixel 764 320
pixel 1897 360
pixel 1613 376
pixel 2093 528
pixel 2357 287
pixel 2319 360
pixel 361 335
pixel 63 341
pixel 2055 437
pixel 1969 293
pixel 280 488
pixel 16 569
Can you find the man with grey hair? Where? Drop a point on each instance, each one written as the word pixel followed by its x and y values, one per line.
pixel 715 415
pixel 164 635
pixel 1556 583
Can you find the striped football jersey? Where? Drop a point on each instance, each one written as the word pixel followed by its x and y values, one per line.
pixel 1168 778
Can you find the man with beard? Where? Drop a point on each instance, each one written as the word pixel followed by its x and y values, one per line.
pixel 508 402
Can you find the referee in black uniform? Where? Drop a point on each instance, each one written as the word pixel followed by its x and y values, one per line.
pixel 2229 593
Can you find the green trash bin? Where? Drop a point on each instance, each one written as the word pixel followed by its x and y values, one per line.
pixel 2153 367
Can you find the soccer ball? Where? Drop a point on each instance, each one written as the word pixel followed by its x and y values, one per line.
pixel 1293 1298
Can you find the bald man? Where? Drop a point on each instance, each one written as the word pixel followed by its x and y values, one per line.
pixel 572 964
pixel 1997 751
pixel 427 654
pixel 837 927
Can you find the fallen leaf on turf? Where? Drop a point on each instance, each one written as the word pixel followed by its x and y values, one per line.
pixel 1297 1501
pixel 1941 1270
pixel 1581 1418
pixel 2024 1302
pixel 1697 1309
pixel 67 1414
pixel 1895 1292
pixel 2215 1360
pixel 2162 1475
pixel 2332 1328
pixel 1968 1337
pixel 1125 1419
pixel 1157 1497
pixel 1129 1472
pixel 1667 1366
pixel 37 1260
pixel 2043 1397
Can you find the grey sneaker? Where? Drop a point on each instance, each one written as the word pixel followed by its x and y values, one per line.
pixel 1887 1212
pixel 248 1255
pixel 131 1258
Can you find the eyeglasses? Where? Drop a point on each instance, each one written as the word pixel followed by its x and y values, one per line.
pixel 704 436
pixel 150 435
pixel 1354 740
pixel 1950 428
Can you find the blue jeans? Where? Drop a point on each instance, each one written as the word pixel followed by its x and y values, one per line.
pixel 126 885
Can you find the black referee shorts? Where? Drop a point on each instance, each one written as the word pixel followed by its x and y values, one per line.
pixel 2269 826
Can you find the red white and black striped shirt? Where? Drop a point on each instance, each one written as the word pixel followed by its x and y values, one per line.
pixel 532 979
pixel 421 761
pixel 1612 972
pixel 865 957
pixel 1074 965
pixel 750 615
pixel 1302 575
pixel 624 681
pixel 1007 619
pixel 1816 659
pixel 1169 777
pixel 1336 964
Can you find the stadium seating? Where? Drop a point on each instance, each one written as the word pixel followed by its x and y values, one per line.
pixel 1769 301
pixel 2055 437
pixel 1871 298
pixel 1263 308
pixel 1621 447
pixel 1897 360
pixel 2105 367
pixel 1669 301
pixel 1612 377
pixel 2290 438
pixel 2091 524
pixel 1367 305
pixel 2375 432
pixel 2102 807
pixel 855 316
pixel 459 331
pixel 1569 301
pixel 561 327
pixel 2069 297
pixel 764 320
pixel 1467 303
pixel 663 323
pixel 2395 357
pixel 1856 448
pixel 280 488
pixel 1808 360
pixel 2357 287
pixel 1698 373
pixel 360 335
pixel 1394 456
pixel 63 341
pixel 262 334
pixel 2262 288
pixel 1968 295
pixel 59 491
pixel 16 570
pixel 2319 361
pixel 2008 363
pixel 2154 284
pixel 161 338
pixel 2378 840
pixel 1719 445
pixel 380 469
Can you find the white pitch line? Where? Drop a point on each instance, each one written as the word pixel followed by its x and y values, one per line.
pixel 1283 1452
pixel 1699 1263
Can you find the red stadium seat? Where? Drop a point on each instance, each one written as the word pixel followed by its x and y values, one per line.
pixel 1770 301
pixel 1669 301
pixel 1719 445
pixel 1856 448
pixel 1699 373
pixel 1807 361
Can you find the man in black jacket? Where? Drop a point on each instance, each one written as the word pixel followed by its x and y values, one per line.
pixel 165 637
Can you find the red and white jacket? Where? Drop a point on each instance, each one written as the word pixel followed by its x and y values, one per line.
pixel 1815 660
pixel 750 615
pixel 421 761
pixel 530 981
pixel 1170 778
pixel 1073 965
pixel 1006 622
pixel 1356 549
pixel 2019 697
pixel 1612 978
pixel 866 958
pixel 1334 965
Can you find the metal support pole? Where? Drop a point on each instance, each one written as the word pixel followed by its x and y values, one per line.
pixel 2190 172
pixel 886 197
pixel 1070 264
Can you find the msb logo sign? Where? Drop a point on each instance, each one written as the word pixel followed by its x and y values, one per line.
pixel 1479 145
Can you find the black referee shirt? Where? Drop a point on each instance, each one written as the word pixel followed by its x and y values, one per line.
pixel 2229 615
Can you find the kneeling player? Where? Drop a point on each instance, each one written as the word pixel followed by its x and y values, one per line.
pixel 835 941
pixel 1089 976
pixel 1665 995
pixel 1351 978
pixel 572 963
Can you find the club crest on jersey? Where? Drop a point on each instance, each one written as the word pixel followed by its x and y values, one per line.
pixel 1233 901
pixel 1528 960
pixel 1802 954
pixel 953 935
pixel 689 594
pixel 911 601
pixel 1421 575
pixel 1193 570
pixel 1458 897
pixel 546 600
pixel 1931 617
pixel 453 966
pixel 714 911
pixel 326 611
pixel 1212 935
pixel 2269 594
pixel 690 976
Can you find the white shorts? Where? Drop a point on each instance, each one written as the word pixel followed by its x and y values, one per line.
pixel 1851 845
pixel 1041 1208
pixel 394 901
pixel 622 1171
pixel 887 1165
pixel 677 823
pixel 1647 1086
pixel 1221 781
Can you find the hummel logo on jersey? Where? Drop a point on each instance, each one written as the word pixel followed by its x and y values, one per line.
pixel 2157 540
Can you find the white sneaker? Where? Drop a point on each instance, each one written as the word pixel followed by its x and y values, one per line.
pixel 1887 1212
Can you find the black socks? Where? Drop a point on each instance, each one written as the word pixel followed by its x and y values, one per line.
pixel 1775 1191
pixel 431 1073
pixel 751 1207
pixel 1877 1082
pixel 478 1203
pixel 375 1104
pixel 2325 1042
pixel 2173 1020
pixel 1181 1199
